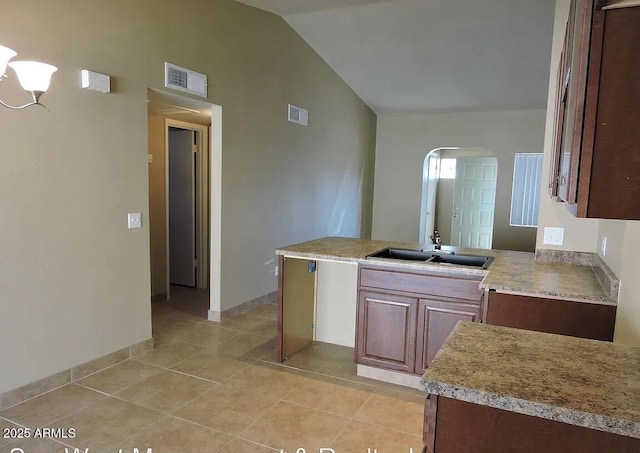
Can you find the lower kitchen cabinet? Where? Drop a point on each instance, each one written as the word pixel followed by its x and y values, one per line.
pixel 404 318
pixel 436 320
pixel 576 319
pixel 386 331
pixel 453 426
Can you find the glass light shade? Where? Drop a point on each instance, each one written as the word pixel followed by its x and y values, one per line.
pixel 6 54
pixel 33 75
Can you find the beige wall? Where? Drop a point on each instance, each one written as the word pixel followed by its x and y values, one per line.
pixel 403 141
pixel 623 246
pixel 157 206
pixel 74 281
pixel 284 183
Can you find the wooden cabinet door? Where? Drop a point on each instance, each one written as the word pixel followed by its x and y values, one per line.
pixel 436 320
pixel 562 85
pixel 577 54
pixel 609 181
pixel 386 334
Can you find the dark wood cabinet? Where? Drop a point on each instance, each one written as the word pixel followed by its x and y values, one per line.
pixel 405 316
pixel 576 319
pixel 574 68
pixel 596 166
pixel 436 320
pixel 453 426
pixel 387 337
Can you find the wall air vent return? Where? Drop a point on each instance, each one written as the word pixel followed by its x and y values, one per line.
pixel 182 79
pixel 298 115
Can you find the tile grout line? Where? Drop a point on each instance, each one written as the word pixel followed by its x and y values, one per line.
pixel 281 400
pixel 73 412
pixel 249 441
pixel 258 361
pixel 386 427
pixel 257 419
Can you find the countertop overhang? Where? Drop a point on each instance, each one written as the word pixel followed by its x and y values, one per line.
pixel 511 272
pixel 588 383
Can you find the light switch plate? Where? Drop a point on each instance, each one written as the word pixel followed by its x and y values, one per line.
pixel 603 246
pixel 553 236
pixel 134 220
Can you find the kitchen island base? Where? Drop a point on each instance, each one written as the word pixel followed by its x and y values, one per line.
pixel 454 426
pixel 390 376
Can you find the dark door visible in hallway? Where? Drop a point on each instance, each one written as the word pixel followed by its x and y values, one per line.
pixel 182 211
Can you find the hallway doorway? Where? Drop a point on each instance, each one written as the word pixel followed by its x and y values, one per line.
pixel 179 193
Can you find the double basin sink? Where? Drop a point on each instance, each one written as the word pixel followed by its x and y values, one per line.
pixel 479 261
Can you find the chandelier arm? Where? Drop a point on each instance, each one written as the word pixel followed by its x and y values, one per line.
pixel 20 107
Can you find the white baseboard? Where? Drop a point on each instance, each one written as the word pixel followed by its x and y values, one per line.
pixel 392 377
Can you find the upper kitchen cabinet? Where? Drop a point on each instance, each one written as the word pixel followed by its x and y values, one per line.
pixel 596 165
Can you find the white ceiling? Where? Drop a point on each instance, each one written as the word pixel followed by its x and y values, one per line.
pixel 405 56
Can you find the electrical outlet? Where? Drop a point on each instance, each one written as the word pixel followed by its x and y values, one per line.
pixel 553 236
pixel 603 246
pixel 275 271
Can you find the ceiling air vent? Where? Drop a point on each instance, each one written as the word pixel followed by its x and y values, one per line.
pixel 182 79
pixel 298 115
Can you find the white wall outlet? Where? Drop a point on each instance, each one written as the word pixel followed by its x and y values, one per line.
pixel 275 271
pixel 134 220
pixel 603 246
pixel 553 236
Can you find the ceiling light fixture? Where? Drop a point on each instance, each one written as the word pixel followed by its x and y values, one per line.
pixel 34 76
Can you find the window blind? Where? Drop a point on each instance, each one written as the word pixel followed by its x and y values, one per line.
pixel 525 195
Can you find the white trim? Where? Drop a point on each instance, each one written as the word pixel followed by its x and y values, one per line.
pixel 215 179
pixel 390 376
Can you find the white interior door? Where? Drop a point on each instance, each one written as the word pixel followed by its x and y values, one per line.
pixel 182 227
pixel 474 202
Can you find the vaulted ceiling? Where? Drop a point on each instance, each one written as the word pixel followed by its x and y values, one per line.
pixel 404 56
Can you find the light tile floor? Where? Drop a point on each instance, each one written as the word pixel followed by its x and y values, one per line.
pixel 216 387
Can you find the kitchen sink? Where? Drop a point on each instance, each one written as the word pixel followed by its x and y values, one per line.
pixel 463 260
pixel 481 261
pixel 402 254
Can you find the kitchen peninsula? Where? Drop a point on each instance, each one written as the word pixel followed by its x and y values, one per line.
pixel 495 389
pixel 397 313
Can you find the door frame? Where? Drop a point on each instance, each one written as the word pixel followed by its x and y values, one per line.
pixel 202 201
pixel 425 235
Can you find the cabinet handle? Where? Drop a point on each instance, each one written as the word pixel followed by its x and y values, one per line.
pixel 563 180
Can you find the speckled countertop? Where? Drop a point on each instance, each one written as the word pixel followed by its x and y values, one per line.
pixel 589 383
pixel 511 272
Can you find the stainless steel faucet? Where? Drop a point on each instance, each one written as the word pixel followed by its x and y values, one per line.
pixel 437 240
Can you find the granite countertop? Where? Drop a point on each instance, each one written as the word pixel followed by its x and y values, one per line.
pixel 588 383
pixel 511 272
